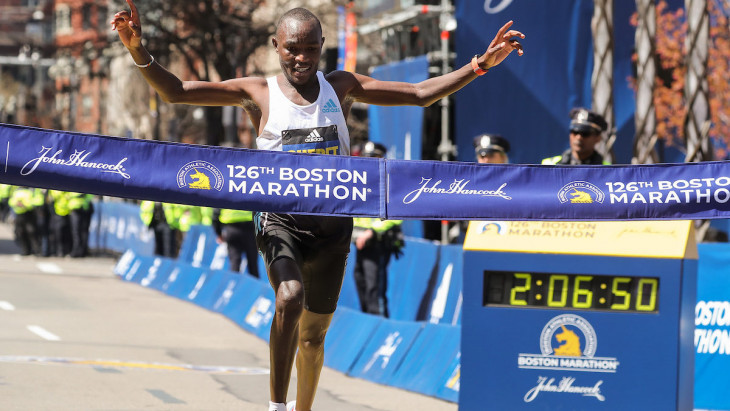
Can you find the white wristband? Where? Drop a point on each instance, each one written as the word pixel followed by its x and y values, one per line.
pixel 145 65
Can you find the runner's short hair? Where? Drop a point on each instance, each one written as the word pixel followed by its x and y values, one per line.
pixel 298 14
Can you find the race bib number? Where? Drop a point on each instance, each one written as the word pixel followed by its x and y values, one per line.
pixel 317 140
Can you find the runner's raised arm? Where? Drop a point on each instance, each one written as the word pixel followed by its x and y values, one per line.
pixel 235 92
pixel 394 93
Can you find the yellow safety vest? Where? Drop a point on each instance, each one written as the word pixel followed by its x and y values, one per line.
pixel 235 216
pixel 60 203
pixel 206 215
pixel 21 201
pixel 78 201
pixel 375 224
pixel 147 210
pixel 188 216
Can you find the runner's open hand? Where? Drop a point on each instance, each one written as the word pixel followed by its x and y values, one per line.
pixel 128 26
pixel 501 46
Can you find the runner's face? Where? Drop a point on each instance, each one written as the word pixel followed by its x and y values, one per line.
pixel 299 45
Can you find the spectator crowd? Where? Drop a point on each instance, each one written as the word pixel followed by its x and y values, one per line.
pixel 47 223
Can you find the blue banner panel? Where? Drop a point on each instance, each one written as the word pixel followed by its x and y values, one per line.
pixel 158 272
pixel 624 96
pixel 712 328
pixel 259 317
pixel 187 282
pixel 399 128
pixel 349 333
pixel 237 306
pixel 229 286
pixel 385 350
pixel 139 269
pixel 425 189
pixel 200 248
pixel 143 269
pixel 348 293
pixel 561 47
pixel 127 265
pixel 409 277
pixel 192 247
pixel 187 174
pixel 116 226
pixel 208 293
pixel 446 304
pixel 252 307
pixel 427 360
pixel 172 277
pixel 450 382
pixel 526 99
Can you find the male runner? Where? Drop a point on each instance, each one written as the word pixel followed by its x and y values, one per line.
pixel 305 255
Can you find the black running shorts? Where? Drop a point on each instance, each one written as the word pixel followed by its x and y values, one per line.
pixel 318 244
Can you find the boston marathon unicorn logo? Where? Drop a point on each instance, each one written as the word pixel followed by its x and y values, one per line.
pixel 580 192
pixel 491 227
pixel 568 335
pixel 200 180
pixel 199 175
pixel 568 342
pixel 578 196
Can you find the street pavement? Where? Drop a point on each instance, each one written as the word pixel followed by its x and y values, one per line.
pixel 75 337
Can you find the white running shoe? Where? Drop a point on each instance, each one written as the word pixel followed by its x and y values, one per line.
pixel 277 406
pixel 291 406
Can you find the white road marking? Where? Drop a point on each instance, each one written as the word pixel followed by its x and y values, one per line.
pixel 43 333
pixel 4 305
pixel 50 268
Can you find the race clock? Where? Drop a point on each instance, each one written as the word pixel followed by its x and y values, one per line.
pixel 618 293
pixel 578 316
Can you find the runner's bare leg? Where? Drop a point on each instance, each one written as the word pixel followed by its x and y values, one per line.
pixel 287 281
pixel 310 358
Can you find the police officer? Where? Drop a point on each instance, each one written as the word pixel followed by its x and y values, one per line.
pixel 491 149
pixel 375 240
pixel 187 216
pixel 6 190
pixel 22 202
pixel 44 214
pixel 236 229
pixel 586 129
pixel 61 222
pixel 162 219
pixel 81 208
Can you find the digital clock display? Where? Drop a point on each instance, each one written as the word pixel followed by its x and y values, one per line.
pixel 572 291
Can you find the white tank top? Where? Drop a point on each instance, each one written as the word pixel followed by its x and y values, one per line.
pixel 318 128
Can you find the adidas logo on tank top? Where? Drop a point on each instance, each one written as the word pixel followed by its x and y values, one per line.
pixel 330 107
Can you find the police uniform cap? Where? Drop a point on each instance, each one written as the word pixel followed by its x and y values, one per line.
pixel 586 121
pixel 489 143
pixel 373 149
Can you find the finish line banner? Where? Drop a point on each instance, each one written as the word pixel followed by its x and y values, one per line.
pixel 357 186
pixel 191 174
